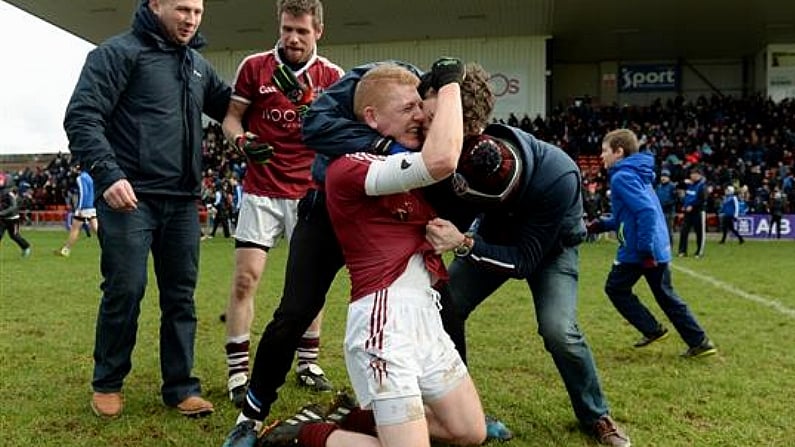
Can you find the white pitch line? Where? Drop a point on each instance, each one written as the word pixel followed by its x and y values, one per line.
pixel 736 291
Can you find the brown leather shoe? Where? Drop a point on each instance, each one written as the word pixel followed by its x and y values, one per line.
pixel 107 405
pixel 608 433
pixel 195 406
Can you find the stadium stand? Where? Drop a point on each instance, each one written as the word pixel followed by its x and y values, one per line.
pixel 745 142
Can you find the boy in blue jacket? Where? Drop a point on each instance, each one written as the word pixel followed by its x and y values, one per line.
pixel 729 212
pixel 644 248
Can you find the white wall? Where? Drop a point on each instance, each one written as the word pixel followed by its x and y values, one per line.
pixel 517 64
pixel 781 71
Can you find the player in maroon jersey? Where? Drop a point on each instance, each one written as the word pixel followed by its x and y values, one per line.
pixel 402 364
pixel 271 91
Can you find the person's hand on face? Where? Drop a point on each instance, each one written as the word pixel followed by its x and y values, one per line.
pixel 429 107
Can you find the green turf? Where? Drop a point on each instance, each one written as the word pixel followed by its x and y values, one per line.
pixel 741 397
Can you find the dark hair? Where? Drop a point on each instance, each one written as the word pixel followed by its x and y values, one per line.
pixel 301 7
pixel 477 99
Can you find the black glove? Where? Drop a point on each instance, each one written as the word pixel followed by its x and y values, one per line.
pixel 293 89
pixel 256 151
pixel 446 71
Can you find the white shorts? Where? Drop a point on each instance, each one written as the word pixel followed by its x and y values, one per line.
pixel 85 213
pixel 263 220
pixel 396 347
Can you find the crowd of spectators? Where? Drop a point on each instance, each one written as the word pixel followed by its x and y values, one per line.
pixel 51 185
pixel 43 186
pixel 747 143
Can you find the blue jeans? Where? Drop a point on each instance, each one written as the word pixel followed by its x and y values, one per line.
pixel 619 289
pixel 554 289
pixel 169 228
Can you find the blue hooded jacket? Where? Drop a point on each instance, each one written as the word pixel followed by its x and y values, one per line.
pixel 696 195
pixel 730 206
pixel 637 215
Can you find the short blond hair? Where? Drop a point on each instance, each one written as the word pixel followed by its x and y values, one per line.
pixel 370 89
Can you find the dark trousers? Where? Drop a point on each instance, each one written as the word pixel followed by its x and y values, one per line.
pixel 695 220
pixel 553 290
pixel 775 219
pixel 221 219
pixel 313 261
pixel 619 289
pixel 669 222
pixel 727 225
pixel 169 229
pixel 12 226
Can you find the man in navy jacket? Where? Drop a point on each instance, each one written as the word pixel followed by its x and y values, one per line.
pixel 695 216
pixel 666 192
pixel 135 121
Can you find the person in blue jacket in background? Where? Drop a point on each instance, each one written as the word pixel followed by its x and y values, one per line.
pixel 84 212
pixel 666 192
pixel 643 247
pixel 729 212
pixel 695 214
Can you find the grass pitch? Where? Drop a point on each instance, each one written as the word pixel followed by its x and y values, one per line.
pixel 743 396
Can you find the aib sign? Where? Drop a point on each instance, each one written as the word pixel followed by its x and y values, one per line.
pixel 649 78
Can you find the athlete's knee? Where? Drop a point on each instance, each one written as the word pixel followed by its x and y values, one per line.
pixel 475 436
pixel 398 410
pixel 246 281
pixel 467 434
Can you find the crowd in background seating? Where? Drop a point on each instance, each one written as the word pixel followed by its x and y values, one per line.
pixel 51 185
pixel 746 142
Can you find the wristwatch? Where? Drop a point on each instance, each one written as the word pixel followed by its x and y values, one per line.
pixel 465 248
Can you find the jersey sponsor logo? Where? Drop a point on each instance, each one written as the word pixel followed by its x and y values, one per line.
pixel 404 164
pixel 270 88
pixel 288 118
pixel 266 89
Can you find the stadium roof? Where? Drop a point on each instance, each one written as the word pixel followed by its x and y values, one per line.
pixel 582 30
